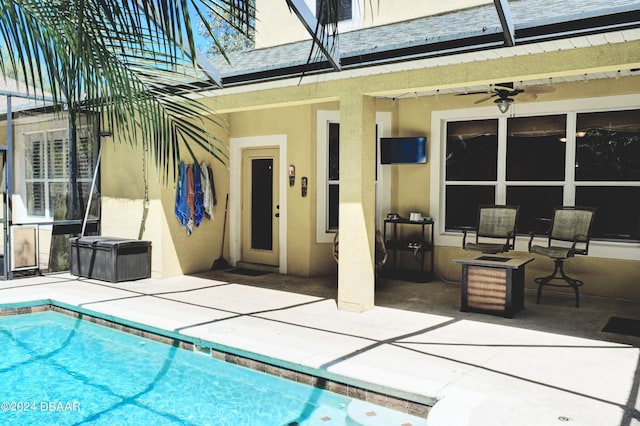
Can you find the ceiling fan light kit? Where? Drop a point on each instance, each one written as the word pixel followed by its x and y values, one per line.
pixel 503 104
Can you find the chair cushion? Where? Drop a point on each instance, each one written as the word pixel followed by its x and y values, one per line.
pixel 486 247
pixel 552 252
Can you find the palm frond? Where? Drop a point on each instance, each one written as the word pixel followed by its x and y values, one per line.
pixel 120 61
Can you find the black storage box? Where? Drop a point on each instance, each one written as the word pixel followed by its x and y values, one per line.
pixel 110 259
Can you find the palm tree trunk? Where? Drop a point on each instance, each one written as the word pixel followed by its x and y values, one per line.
pixel 73 166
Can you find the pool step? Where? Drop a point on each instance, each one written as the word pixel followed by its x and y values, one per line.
pixel 360 413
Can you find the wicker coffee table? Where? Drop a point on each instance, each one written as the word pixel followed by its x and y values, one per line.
pixel 493 284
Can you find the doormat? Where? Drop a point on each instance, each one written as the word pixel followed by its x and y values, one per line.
pixel 630 327
pixel 249 272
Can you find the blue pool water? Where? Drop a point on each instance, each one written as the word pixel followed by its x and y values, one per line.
pixel 58 370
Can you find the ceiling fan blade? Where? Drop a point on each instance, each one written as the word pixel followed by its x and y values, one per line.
pixel 479 92
pixel 527 96
pixel 540 89
pixel 486 98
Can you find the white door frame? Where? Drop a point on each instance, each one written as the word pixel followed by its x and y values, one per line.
pixel 236 145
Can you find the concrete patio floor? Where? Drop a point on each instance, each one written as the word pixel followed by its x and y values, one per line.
pixel 550 364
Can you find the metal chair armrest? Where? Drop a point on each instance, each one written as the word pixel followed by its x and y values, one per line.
pixel 579 238
pixel 464 230
pixel 532 235
pixel 511 241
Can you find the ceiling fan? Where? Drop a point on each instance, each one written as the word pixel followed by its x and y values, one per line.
pixel 505 93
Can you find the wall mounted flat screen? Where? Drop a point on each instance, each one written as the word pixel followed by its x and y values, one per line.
pixel 411 150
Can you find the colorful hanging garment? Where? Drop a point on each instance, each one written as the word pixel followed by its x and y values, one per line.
pixel 195 195
pixel 190 198
pixel 182 208
pixel 198 208
pixel 207 194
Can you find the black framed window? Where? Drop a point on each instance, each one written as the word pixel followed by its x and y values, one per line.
pixel 471 169
pixel 536 148
pixel 472 150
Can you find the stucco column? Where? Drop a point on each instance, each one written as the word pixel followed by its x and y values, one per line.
pixel 357 203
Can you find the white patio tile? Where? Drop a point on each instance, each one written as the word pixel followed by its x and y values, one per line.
pixel 282 341
pixel 157 312
pixel 487 345
pixel 242 298
pixel 165 285
pixel 70 292
pixel 389 366
pixel 377 323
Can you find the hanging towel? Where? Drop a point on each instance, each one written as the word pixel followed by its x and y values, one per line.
pixel 182 208
pixel 190 198
pixel 198 208
pixel 207 195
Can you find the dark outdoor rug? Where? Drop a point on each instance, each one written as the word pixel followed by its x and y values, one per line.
pixel 630 327
pixel 248 272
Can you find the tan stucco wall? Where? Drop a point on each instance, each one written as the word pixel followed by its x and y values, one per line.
pixel 173 251
pixel 409 192
pixel 386 12
pixel 277 25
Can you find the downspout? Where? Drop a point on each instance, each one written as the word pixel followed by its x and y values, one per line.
pixel 73 166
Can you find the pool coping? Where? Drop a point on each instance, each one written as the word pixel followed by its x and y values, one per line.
pixel 227 354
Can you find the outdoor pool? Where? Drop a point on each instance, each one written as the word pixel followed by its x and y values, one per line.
pixel 59 370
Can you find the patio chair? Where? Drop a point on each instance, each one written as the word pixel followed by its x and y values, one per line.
pixel 569 235
pixel 495 223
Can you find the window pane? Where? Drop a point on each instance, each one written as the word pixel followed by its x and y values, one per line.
pixel 618 214
pixel 608 146
pixel 84 157
pixel 472 150
pixel 84 189
pixel 334 204
pixel 536 203
pixel 35 199
pixel 462 204
pixel 58 156
pixel 60 201
pixel 34 157
pixel 334 151
pixel 536 148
